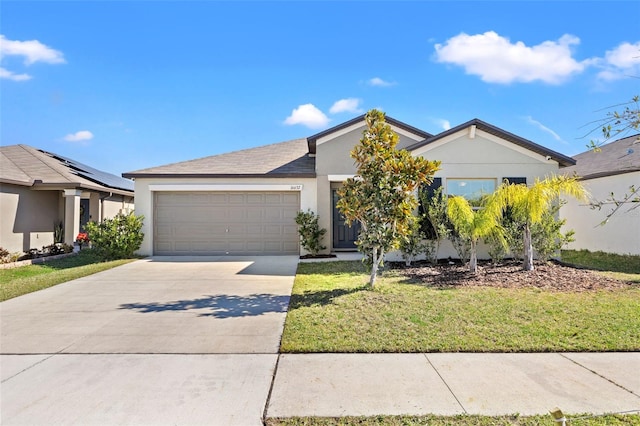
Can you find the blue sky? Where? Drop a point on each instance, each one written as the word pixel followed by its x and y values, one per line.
pixel 126 85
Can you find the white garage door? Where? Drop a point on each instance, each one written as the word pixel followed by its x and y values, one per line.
pixel 218 223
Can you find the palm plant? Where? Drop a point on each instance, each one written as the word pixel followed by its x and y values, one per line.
pixel 529 204
pixel 475 224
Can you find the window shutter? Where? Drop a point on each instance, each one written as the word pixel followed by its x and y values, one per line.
pixel 429 190
pixel 515 180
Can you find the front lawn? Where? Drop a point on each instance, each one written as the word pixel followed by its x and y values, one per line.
pixel 26 279
pixel 332 311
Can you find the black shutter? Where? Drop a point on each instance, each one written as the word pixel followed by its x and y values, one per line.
pixel 516 180
pixel 429 190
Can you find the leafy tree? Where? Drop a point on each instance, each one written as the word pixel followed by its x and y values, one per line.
pixel 529 204
pixel 310 232
pixel 475 224
pixel 381 194
pixel 413 242
pixel 435 222
pixel 618 123
pixel 118 237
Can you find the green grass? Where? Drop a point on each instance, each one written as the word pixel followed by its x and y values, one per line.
pixel 465 420
pixel 601 261
pixel 26 279
pixel 622 267
pixel 332 311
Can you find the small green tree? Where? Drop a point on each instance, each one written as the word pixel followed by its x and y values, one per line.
pixel 381 195
pixel 118 237
pixel 547 237
pixel 412 244
pixel 435 222
pixel 529 204
pixel 475 224
pixel 310 232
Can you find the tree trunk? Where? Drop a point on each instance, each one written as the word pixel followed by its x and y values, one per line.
pixel 377 258
pixel 528 249
pixel 473 261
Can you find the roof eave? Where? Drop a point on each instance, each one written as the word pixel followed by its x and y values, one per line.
pixel 135 175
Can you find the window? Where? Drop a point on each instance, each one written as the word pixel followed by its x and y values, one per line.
pixel 471 189
pixel 515 180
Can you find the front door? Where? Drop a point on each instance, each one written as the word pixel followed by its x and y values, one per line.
pixel 84 213
pixel 344 236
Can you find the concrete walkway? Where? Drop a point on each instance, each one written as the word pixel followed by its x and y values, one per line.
pixel 189 341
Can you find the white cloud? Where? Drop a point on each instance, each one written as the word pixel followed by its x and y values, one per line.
pixel 346 105
pixel 82 135
pixel 497 60
pixel 622 61
pixel 544 128
pixel 307 115
pixel 445 124
pixel 5 73
pixel 378 82
pixel 32 50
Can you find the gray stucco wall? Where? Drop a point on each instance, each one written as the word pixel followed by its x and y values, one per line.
pixel 28 217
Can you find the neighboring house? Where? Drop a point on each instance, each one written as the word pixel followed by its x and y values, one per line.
pixel 613 169
pixel 39 190
pixel 244 202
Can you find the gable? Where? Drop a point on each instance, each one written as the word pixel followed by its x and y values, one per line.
pixel 333 149
pixel 475 146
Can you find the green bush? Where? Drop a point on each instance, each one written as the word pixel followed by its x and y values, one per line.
pixel 413 243
pixel 310 232
pixel 116 238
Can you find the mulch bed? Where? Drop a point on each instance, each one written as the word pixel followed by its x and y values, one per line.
pixel 550 276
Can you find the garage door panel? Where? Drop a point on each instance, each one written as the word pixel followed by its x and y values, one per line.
pixel 213 223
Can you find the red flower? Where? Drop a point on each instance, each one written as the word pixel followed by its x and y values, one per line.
pixel 82 238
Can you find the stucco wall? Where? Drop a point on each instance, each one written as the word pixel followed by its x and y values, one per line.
pixel 621 234
pixel 144 196
pixel 484 156
pixel 116 204
pixel 27 218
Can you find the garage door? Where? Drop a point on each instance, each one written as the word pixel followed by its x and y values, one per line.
pixel 218 223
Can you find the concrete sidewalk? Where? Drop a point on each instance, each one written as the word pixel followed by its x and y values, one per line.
pixel 335 385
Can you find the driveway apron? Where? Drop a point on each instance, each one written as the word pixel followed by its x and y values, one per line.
pixel 165 340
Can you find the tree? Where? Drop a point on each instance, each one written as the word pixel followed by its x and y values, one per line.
pixel 529 204
pixel 381 194
pixel 475 224
pixel 435 223
pixel 617 123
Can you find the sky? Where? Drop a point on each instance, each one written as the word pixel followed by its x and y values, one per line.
pixel 124 85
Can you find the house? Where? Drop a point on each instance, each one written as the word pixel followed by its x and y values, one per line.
pixel 612 169
pixel 39 190
pixel 244 202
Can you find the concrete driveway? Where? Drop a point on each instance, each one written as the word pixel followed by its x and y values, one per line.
pixel 158 341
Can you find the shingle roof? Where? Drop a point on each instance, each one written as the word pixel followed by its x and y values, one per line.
pixel 563 160
pixel 618 157
pixel 28 166
pixel 280 160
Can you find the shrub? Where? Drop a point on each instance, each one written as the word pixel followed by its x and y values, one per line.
pixel 4 255
pixel 546 237
pixel 412 244
pixel 118 237
pixel 435 223
pixel 310 232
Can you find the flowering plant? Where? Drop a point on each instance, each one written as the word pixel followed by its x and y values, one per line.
pixel 82 238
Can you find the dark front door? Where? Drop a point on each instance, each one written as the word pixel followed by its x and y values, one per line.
pixel 84 213
pixel 344 236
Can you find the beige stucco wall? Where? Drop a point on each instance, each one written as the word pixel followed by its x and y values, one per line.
pixel 621 234
pixel 28 217
pixel 144 196
pixel 115 204
pixel 484 156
